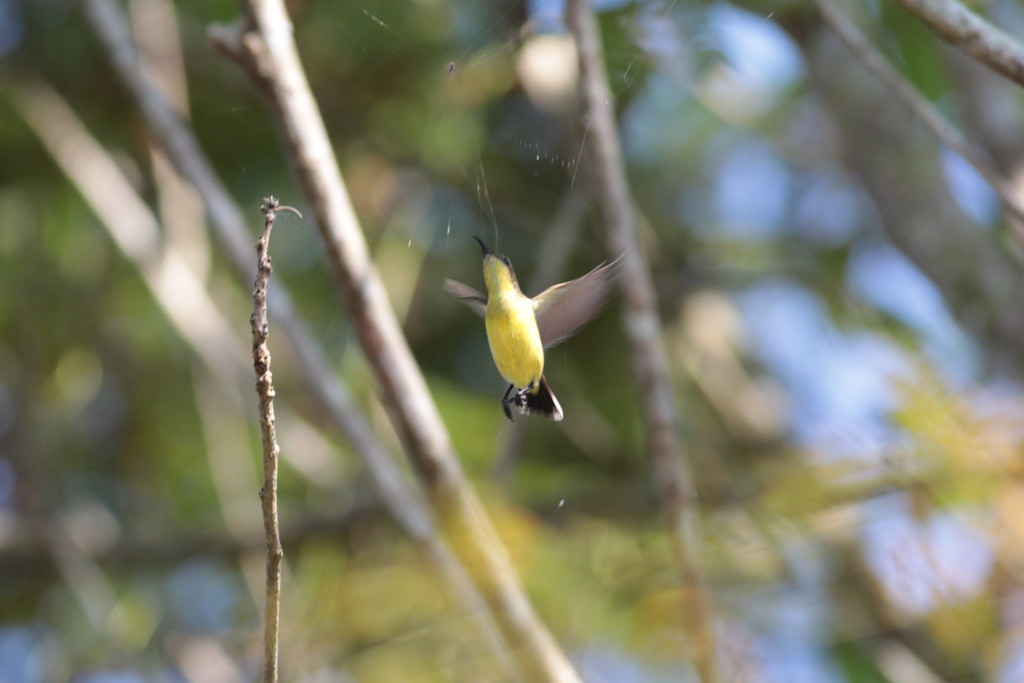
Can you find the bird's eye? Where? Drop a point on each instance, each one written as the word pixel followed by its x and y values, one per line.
pixel 504 259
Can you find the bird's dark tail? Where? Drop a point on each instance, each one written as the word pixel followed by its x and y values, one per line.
pixel 541 401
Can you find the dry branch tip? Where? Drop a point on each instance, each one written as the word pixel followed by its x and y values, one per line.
pixel 271 450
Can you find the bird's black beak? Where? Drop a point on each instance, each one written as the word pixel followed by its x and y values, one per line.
pixel 483 247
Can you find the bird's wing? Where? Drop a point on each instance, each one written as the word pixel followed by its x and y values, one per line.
pixel 467 295
pixel 564 308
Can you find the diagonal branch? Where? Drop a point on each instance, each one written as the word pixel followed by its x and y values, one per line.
pixel 873 60
pixel 229 226
pixel 961 27
pixel 650 362
pixel 264 45
pixel 132 227
pixel 979 281
pixel 176 139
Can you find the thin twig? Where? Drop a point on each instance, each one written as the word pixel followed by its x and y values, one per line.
pixel 650 361
pixel 950 136
pixel 265 389
pixel 961 27
pixel 177 140
pixel 265 46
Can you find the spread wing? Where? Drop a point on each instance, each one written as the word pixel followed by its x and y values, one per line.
pixel 467 295
pixel 564 308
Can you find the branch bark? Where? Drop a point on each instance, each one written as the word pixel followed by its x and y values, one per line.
pixel 901 171
pixel 229 227
pixel 176 139
pixel 964 29
pixel 873 60
pixel 263 44
pixel 265 390
pixel 650 362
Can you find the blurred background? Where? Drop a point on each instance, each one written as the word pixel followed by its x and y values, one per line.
pixel 841 298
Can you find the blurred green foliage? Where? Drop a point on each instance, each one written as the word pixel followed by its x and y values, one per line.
pixel 856 450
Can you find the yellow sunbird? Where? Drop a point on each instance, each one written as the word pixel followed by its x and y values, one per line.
pixel 520 328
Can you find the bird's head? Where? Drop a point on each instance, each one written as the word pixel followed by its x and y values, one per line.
pixel 498 271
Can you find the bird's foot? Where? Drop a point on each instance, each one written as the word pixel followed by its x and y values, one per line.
pixel 506 400
pixel 518 399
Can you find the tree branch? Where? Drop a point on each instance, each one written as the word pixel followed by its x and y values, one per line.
pixel 650 362
pixel 265 390
pixel 264 45
pixel 179 143
pixel 978 280
pixel 873 60
pixel 961 27
pixel 229 226
pixel 132 226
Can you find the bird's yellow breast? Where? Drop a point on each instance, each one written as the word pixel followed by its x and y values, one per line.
pixel 514 338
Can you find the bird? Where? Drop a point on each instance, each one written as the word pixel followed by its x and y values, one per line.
pixel 520 328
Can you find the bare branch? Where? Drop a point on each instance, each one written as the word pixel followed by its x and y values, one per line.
pixel 877 63
pixel 979 280
pixel 132 227
pixel 961 27
pixel 179 143
pixel 154 27
pixel 267 50
pixel 897 662
pixel 229 226
pixel 264 45
pixel 650 362
pixel 265 389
